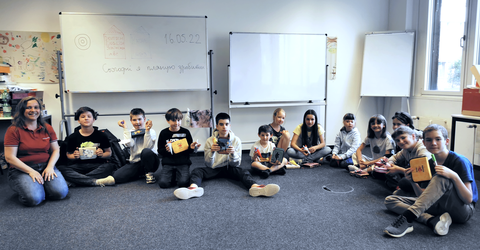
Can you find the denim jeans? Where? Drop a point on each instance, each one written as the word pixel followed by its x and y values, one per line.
pixel 182 175
pixel 86 174
pixel 33 193
pixel 311 157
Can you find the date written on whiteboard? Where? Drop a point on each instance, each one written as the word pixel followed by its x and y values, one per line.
pixel 182 38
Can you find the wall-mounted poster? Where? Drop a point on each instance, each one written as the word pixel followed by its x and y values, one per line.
pixel 332 57
pixel 201 118
pixel 32 55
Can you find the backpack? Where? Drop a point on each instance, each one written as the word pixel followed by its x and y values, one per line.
pixel 62 159
pixel 120 154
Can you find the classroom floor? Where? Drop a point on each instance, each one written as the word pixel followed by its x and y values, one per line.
pixel 319 208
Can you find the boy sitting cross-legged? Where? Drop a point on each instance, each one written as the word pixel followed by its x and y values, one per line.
pixel 90 167
pixel 262 164
pixel 223 154
pixel 450 196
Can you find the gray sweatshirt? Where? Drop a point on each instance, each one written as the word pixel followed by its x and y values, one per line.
pixel 216 160
pixel 347 143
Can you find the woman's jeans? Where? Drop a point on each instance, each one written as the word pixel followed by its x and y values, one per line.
pixel 33 193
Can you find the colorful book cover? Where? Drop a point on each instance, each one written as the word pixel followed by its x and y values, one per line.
pixel 420 169
pixel 180 145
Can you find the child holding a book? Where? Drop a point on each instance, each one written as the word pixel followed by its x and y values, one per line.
pixel 223 155
pixel 141 141
pixel 379 141
pixel 412 148
pixel 450 196
pixel 262 153
pixel 308 144
pixel 179 162
pixel 88 150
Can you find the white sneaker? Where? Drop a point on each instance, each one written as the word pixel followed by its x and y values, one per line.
pixel 441 228
pixel 150 179
pixel 262 190
pixel 107 181
pixel 187 193
pixel 352 168
pixel 291 166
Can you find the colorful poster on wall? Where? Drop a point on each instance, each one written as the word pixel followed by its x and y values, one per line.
pixel 32 55
pixel 201 118
pixel 332 57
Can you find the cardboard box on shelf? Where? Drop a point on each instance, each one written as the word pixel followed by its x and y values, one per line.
pixel 4 68
pixel 471 102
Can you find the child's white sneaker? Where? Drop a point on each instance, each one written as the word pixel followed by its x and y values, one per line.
pixel 264 190
pixel 442 223
pixel 107 181
pixel 352 168
pixel 187 193
pixel 291 166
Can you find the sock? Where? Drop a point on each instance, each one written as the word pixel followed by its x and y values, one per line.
pixel 433 221
pixel 410 216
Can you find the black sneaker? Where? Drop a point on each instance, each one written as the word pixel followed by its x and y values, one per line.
pixel 281 171
pixel 264 174
pixel 399 227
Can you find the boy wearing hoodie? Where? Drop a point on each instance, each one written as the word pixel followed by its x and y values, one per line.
pixel 223 155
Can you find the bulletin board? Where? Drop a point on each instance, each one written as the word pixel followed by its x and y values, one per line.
pixel 33 55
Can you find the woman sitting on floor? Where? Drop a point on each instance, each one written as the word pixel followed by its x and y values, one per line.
pixel 31 149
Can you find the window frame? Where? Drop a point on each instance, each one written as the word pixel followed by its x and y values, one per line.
pixel 470 43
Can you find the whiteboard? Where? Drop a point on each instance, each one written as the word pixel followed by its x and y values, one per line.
pixel 277 67
pixel 133 53
pixel 388 64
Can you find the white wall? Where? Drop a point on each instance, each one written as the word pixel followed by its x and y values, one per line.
pixel 348 20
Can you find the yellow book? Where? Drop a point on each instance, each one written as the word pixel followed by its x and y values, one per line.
pixel 420 169
pixel 180 145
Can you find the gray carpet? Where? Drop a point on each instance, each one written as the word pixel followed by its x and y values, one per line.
pixel 303 215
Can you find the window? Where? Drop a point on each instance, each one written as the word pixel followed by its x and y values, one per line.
pixel 447 58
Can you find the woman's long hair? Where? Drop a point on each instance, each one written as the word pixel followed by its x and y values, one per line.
pixel 315 137
pixel 19 116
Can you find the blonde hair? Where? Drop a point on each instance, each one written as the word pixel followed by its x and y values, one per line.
pixel 275 113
